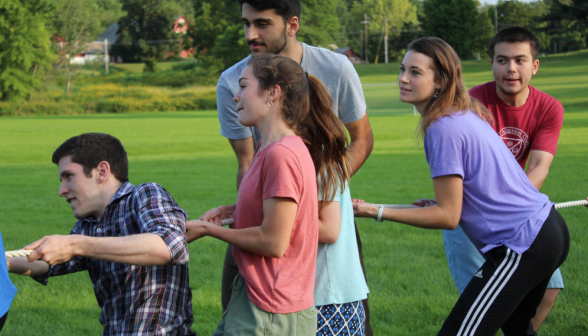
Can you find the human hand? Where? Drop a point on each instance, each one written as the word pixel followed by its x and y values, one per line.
pixel 363 209
pixel 425 202
pixel 196 229
pixel 216 215
pixel 357 200
pixel 54 249
pixel 586 204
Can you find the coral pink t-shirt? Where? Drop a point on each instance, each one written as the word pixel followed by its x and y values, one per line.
pixel 283 169
pixel 533 126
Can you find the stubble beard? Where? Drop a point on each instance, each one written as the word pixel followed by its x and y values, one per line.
pixel 277 45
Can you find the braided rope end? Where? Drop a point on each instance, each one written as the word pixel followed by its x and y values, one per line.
pixel 17 253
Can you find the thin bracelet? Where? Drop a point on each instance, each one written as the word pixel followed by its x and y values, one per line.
pixel 379 218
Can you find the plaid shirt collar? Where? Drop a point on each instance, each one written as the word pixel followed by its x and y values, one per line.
pixel 125 189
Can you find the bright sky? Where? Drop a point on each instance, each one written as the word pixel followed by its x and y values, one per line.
pixel 493 2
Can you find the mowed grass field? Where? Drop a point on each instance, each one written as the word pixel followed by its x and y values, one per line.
pixel 411 288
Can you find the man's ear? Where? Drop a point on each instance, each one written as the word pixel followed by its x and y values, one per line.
pixel 535 66
pixel 103 170
pixel 292 26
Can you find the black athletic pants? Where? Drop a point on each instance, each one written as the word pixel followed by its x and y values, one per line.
pixel 508 288
pixel 3 320
pixel 230 271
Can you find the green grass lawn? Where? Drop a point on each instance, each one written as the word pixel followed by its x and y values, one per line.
pixel 411 288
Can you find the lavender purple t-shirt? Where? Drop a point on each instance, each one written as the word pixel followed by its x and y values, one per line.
pixel 500 205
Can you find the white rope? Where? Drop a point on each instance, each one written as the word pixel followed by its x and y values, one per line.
pixel 18 253
pixel 397 206
pixel 409 206
pixel 24 253
pixel 571 204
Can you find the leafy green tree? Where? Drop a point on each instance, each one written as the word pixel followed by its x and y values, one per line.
pixel 110 11
pixel 214 20
pixel 78 22
pixel 483 33
pixel 398 12
pixel 229 48
pixel 452 21
pixel 24 46
pixel 318 22
pixel 567 22
pixel 146 33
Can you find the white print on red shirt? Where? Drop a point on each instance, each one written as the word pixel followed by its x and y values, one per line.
pixel 515 139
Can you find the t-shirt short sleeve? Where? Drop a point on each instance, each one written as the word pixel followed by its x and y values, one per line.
pixel 443 149
pixel 351 102
pixel 227 111
pixel 545 139
pixel 282 174
pixel 336 193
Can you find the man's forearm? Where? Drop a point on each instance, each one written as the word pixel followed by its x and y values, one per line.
pixel 147 249
pixel 362 142
pixel 22 266
pixel 359 150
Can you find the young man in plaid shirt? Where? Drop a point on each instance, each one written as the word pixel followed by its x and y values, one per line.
pixel 131 240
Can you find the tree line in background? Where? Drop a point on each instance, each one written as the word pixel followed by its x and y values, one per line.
pixel 40 36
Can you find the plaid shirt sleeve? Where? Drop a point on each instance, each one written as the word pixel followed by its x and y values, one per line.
pixel 75 264
pixel 158 213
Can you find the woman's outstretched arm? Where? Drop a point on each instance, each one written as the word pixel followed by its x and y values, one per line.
pixel 444 215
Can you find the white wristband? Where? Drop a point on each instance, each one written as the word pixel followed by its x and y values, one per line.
pixel 379 218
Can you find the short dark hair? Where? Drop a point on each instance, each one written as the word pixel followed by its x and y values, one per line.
pixel 515 35
pixel 89 149
pixel 284 8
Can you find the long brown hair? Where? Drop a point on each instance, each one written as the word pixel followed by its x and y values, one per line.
pixel 453 95
pixel 306 108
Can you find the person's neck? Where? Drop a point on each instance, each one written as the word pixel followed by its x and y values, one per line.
pixel 420 107
pixel 293 50
pixel 110 189
pixel 273 130
pixel 515 100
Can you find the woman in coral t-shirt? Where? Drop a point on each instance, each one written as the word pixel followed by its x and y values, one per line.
pixel 275 235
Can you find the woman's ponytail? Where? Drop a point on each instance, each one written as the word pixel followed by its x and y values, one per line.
pixel 326 139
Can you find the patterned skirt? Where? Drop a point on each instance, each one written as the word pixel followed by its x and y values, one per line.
pixel 341 319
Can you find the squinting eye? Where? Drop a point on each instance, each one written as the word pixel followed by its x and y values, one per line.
pixel 415 73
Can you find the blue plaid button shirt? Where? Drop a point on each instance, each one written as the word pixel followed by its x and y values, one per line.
pixel 138 300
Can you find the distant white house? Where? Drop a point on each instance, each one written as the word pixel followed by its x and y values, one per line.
pixel 95 50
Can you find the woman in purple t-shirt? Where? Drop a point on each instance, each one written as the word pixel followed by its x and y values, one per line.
pixel 476 179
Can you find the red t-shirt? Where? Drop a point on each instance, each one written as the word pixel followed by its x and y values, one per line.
pixel 533 126
pixel 283 169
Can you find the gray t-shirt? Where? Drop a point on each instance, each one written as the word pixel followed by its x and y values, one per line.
pixel 334 70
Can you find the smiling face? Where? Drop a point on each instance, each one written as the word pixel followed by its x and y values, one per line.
pixel 417 79
pixel 513 67
pixel 251 103
pixel 81 192
pixel 265 31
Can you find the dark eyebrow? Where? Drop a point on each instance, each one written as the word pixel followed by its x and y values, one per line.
pixel 517 56
pixel 260 20
pixel 412 67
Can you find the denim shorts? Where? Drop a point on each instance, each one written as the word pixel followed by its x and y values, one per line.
pixel 465 260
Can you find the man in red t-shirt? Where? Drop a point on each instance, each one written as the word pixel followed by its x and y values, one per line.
pixel 529 122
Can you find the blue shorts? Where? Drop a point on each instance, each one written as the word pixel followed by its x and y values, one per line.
pixel 465 260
